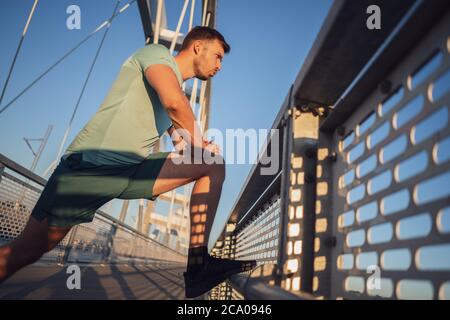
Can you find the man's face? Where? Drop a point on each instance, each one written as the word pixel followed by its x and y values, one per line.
pixel 208 60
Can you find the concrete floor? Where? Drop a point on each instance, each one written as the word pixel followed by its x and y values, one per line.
pixel 100 282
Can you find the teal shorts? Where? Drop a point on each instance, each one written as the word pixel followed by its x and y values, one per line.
pixel 76 189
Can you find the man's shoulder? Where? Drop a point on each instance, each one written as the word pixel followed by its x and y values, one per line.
pixel 155 54
pixel 153 49
pixel 156 46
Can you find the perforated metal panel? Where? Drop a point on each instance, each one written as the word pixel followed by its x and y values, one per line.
pixel 17 199
pixel 259 238
pixel 391 186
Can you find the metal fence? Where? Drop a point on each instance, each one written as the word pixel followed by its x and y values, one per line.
pixel 390 203
pixel 259 238
pixel 360 208
pixel 104 240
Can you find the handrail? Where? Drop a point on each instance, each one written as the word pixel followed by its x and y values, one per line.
pixel 262 194
pixel 257 289
pixel 17 168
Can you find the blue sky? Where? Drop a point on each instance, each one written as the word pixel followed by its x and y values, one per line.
pixel 269 42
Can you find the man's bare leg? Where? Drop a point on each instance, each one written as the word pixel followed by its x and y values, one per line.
pixel 203 271
pixel 205 193
pixel 36 239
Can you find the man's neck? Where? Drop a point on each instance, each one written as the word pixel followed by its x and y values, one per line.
pixel 185 66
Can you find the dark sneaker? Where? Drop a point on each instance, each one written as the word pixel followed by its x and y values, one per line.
pixel 214 272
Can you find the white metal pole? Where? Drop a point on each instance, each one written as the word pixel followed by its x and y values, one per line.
pixel 202 98
pixel 140 222
pixel 177 30
pixel 204 12
pixel 191 17
pixel 188 188
pixel 208 17
pixel 41 148
pixel 172 201
pixel 158 21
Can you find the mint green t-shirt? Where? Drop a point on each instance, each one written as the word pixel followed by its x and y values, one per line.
pixel 131 119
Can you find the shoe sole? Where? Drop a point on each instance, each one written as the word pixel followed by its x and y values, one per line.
pixel 202 287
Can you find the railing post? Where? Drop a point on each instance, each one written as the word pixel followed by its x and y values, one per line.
pixel 229 252
pixel 307 148
pixel 286 124
pixel 69 245
pixel 124 211
pixel 230 241
pixel 298 200
pixel 324 235
pixel 110 244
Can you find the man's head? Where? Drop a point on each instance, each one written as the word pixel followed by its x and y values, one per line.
pixel 207 48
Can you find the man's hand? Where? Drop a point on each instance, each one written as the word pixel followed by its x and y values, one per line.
pixel 212 147
pixel 180 144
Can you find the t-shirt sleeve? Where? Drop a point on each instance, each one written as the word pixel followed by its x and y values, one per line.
pixel 153 54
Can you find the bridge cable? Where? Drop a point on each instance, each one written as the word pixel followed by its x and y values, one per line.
pixel 30 16
pixel 85 83
pixel 100 27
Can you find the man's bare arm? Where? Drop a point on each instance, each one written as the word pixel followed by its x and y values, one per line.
pixel 164 81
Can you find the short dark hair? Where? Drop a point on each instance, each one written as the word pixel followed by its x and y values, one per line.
pixel 204 33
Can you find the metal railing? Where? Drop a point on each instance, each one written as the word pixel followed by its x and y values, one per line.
pixel 362 198
pixel 104 240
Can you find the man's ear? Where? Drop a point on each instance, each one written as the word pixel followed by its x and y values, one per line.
pixel 197 46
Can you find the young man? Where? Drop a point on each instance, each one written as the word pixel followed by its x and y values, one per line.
pixel 111 158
